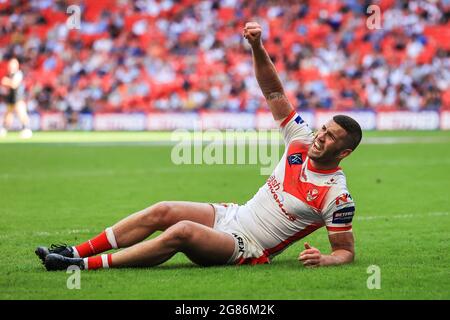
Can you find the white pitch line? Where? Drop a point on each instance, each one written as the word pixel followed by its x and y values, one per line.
pixel 402 216
pixel 65 232
pixel 47 233
pixel 396 140
pixel 239 140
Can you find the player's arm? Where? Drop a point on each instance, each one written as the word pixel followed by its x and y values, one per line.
pixel 338 217
pixel 342 247
pixel 6 81
pixel 12 83
pixel 266 74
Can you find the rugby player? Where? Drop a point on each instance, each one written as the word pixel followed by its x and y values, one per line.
pixel 15 99
pixel 307 190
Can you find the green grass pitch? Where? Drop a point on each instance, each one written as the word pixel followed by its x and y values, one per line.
pixel 55 190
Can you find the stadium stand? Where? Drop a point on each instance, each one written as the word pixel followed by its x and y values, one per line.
pixel 186 55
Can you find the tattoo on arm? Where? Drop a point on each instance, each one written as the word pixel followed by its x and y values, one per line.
pixel 266 74
pixel 275 96
pixel 270 84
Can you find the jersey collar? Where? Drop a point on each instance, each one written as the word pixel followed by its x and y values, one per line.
pixel 311 168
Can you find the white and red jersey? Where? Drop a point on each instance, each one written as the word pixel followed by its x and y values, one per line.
pixel 297 199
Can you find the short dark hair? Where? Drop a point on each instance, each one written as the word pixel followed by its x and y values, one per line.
pixel 353 129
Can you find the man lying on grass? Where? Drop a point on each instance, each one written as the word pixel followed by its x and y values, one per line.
pixel 307 190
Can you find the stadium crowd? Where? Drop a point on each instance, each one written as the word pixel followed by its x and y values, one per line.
pixel 149 55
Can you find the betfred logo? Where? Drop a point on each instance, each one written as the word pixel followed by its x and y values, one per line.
pixel 344 198
pixel 344 215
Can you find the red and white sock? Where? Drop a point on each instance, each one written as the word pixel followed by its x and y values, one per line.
pixel 103 242
pixel 98 262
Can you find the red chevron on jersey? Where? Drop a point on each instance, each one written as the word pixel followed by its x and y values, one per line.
pixel 307 192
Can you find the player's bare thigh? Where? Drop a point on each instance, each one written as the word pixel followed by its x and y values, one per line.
pixel 176 211
pixel 165 214
pixel 201 244
pixel 210 247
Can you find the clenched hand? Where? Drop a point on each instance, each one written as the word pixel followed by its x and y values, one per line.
pixel 252 32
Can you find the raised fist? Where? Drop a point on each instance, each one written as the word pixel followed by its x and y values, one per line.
pixel 252 32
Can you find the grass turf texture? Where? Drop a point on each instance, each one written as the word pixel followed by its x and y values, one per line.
pixel 52 190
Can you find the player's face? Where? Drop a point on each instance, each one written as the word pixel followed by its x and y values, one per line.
pixel 328 143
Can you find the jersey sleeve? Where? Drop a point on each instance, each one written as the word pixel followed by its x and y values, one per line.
pixel 339 214
pixel 294 128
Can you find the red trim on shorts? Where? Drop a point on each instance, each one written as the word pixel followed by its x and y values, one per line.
pixel 289 117
pixel 253 261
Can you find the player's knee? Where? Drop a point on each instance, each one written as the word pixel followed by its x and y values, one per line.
pixel 158 214
pixel 181 233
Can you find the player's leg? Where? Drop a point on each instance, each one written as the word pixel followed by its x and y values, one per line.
pixel 159 217
pixel 203 245
pixel 137 227
pixel 8 117
pixel 7 120
pixel 22 114
pixel 3 128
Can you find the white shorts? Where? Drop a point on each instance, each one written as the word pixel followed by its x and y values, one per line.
pixel 246 251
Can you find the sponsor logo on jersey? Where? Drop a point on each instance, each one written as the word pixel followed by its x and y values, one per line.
pixel 279 195
pixel 240 243
pixel 344 215
pixel 312 195
pixel 299 120
pixel 295 158
pixel 343 198
pixel 274 186
pixel 331 181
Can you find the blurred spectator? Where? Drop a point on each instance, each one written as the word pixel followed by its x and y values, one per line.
pixel 187 55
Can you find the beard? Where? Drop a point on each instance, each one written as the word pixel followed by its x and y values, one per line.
pixel 324 157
